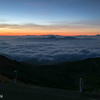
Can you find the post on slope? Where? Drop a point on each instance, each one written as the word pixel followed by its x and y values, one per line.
pixel 15 76
pixel 80 84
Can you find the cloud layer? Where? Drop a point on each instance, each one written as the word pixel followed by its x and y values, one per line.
pixel 23 48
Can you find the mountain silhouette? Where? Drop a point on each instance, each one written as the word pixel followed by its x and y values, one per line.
pixel 52 37
pixel 98 35
pixel 69 38
pixel 64 75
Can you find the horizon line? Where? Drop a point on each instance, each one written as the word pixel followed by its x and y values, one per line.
pixel 50 34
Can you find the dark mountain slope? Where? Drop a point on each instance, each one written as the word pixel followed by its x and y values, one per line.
pixel 64 75
pixel 67 74
pixel 24 72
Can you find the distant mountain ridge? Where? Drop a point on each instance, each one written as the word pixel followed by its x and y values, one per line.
pixel 98 35
pixel 50 38
pixel 64 38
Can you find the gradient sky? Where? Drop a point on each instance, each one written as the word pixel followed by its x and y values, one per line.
pixel 43 17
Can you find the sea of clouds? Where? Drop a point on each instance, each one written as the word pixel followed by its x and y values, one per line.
pixel 22 48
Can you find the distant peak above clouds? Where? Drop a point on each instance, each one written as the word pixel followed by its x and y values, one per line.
pixel 70 37
pixel 98 35
pixel 52 37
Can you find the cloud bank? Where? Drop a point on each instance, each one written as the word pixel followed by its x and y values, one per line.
pixel 21 49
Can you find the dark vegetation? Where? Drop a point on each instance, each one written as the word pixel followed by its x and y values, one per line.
pixel 64 75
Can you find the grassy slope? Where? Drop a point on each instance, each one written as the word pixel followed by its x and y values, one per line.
pixel 4 79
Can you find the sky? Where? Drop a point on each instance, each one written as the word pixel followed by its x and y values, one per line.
pixel 45 17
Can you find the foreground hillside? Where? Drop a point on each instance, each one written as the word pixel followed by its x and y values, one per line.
pixel 64 75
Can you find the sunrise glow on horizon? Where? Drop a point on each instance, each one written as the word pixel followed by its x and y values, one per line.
pixel 50 33
pixel 56 17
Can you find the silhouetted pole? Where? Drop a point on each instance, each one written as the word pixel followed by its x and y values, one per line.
pixel 15 77
pixel 80 84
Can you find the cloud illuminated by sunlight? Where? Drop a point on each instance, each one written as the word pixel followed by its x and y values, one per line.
pixel 58 28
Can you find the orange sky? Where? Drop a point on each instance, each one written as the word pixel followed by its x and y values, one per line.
pixel 23 32
pixel 49 33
